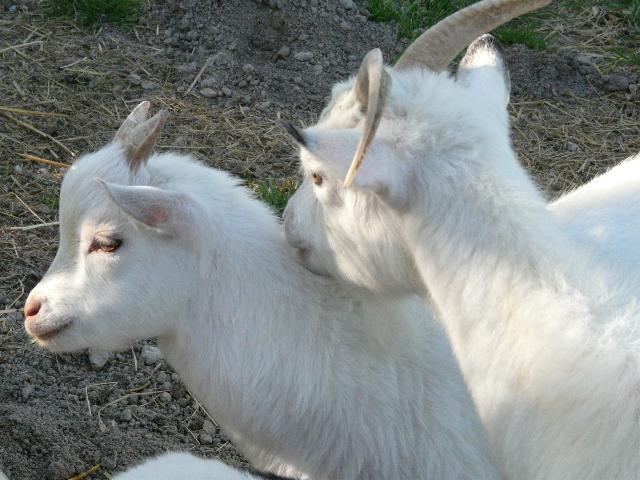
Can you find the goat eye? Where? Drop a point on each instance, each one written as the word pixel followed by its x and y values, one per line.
pixel 105 245
pixel 317 179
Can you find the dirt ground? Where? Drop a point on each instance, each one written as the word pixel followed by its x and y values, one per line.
pixel 226 70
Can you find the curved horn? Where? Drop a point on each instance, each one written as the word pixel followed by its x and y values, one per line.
pixel 135 118
pixel 436 47
pixel 372 87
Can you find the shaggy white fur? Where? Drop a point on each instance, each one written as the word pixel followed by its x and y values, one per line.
pixel 182 466
pixel 307 376
pixel 546 332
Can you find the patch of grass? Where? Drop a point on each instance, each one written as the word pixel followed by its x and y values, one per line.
pixel 95 12
pixel 276 193
pixel 6 170
pixel 627 56
pixel 525 35
pixel 414 16
pixel 51 201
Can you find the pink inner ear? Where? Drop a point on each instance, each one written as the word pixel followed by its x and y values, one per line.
pixel 156 216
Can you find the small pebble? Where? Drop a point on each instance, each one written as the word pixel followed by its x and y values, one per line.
pixel 208 92
pixel 284 52
pixel 615 82
pixel 572 147
pixel 303 56
pixel 209 427
pixel 135 79
pixel 27 390
pixel 150 354
pixel 98 358
pixel 125 415
pixel 205 438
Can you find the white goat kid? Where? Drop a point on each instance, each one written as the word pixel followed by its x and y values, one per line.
pixel 547 338
pixel 306 376
pixel 182 466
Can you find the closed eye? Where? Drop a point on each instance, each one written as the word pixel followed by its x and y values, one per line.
pixel 104 244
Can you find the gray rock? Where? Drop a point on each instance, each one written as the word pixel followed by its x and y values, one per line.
pixel 615 82
pixel 209 82
pixel 248 68
pixel 584 59
pixel 187 67
pixel 284 52
pixel 165 397
pixel 573 147
pixel 633 88
pixel 303 56
pixel 60 469
pixel 135 79
pixel 205 438
pixel 150 354
pixel 27 390
pixel 209 427
pixel 125 415
pixel 264 106
pixel 98 358
pixel 148 85
pixel 348 4
pixel 226 91
pixel 317 69
pixel 208 92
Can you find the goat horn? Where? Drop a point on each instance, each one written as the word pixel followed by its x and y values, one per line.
pixel 439 45
pixel 372 87
pixel 135 118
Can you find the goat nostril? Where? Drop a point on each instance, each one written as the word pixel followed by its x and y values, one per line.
pixel 32 307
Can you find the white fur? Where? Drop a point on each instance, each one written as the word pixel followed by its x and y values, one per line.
pixel 603 214
pixel 307 376
pixel 182 466
pixel 546 332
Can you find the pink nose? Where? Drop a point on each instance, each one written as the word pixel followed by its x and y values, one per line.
pixel 32 307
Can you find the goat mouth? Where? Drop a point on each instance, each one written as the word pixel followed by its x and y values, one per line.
pixel 46 336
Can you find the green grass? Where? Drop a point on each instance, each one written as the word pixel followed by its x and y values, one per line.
pixel 525 35
pixel 51 201
pixel 414 16
pixel 276 193
pixel 95 12
pixel 6 170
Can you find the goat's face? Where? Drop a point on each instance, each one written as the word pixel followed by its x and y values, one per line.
pixel 119 261
pixel 427 147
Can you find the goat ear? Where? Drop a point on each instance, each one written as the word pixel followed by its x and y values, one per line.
pixel 166 212
pixel 329 152
pixel 139 136
pixel 483 70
